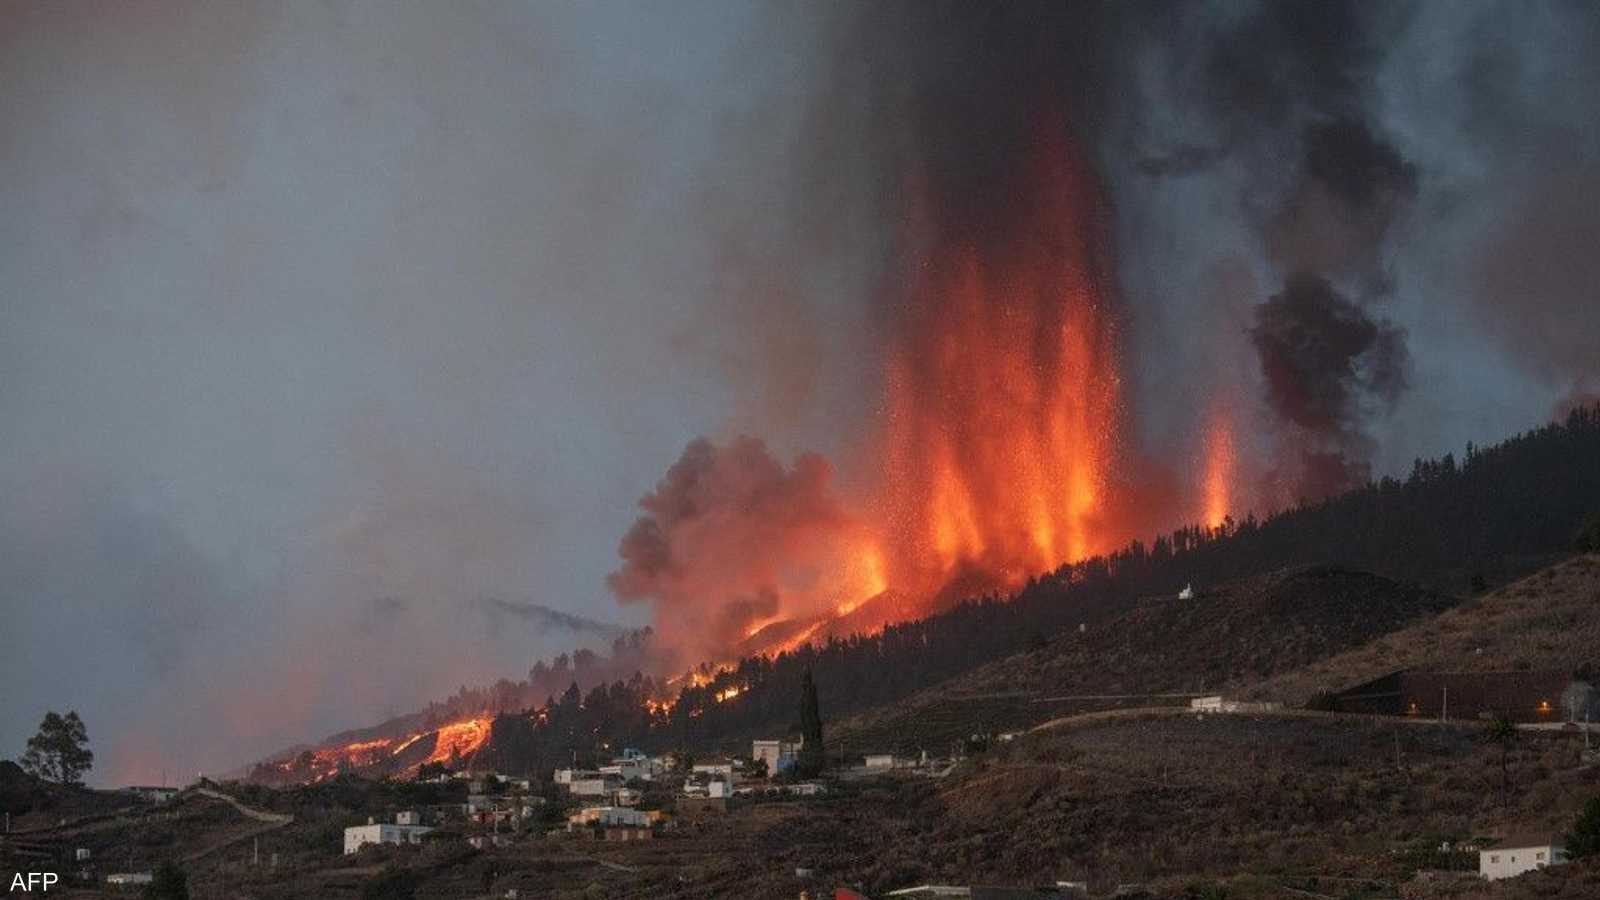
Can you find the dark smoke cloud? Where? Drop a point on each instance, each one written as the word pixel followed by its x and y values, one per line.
pixel 1354 187
pixel 1270 108
pixel 1326 363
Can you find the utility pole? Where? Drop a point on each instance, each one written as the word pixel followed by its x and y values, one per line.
pixel 1444 711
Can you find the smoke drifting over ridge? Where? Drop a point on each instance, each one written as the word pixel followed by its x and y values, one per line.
pixel 330 322
pixel 730 538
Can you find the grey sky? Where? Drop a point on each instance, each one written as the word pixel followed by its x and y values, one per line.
pixel 312 304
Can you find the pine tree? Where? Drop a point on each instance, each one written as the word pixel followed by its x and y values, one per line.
pixel 811 760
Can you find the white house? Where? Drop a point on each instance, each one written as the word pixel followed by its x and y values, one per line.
pixel 1219 704
pixel 152 794
pixel 880 760
pixel 356 836
pixel 779 755
pixel 717 787
pixel 1518 854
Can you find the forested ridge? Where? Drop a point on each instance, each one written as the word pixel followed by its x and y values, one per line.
pixel 1495 513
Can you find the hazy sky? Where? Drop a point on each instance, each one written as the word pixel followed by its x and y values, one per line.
pixel 308 305
pixel 323 321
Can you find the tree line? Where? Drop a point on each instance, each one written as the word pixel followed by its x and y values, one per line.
pixel 1450 525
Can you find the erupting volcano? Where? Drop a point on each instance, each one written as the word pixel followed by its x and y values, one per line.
pixel 995 454
pixel 1003 393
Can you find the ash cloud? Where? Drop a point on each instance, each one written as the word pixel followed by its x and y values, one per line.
pixel 730 537
pixel 1326 363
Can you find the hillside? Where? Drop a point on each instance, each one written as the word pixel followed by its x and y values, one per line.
pixel 1498 514
pixel 1298 801
pixel 1164 648
pixel 1549 620
pixel 1124 799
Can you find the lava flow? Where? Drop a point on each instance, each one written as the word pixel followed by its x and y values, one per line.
pixel 450 744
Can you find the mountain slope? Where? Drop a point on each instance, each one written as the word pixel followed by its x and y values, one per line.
pixel 1549 620
pixel 1241 631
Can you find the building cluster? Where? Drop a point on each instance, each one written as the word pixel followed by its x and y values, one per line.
pixel 496 806
pixel 407 828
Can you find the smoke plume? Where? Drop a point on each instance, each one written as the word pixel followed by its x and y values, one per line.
pixel 1327 365
pixel 729 538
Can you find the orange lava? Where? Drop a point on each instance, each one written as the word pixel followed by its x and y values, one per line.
pixel 1220 459
pixel 1003 395
pixel 459 740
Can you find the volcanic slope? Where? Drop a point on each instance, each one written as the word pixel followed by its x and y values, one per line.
pixel 1158 653
pixel 1549 620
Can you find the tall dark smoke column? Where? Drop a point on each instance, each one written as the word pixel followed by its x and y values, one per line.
pixel 1292 81
pixel 1323 358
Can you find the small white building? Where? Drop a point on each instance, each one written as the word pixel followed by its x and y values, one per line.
pixel 714 770
pixel 152 794
pixel 358 836
pixel 122 878
pixel 1219 704
pixel 779 755
pixel 718 787
pixel 880 760
pixel 408 817
pixel 1520 853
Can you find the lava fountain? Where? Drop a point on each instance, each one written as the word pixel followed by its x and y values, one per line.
pixel 1003 392
pixel 1220 459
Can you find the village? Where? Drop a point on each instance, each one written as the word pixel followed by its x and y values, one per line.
pixel 639 797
